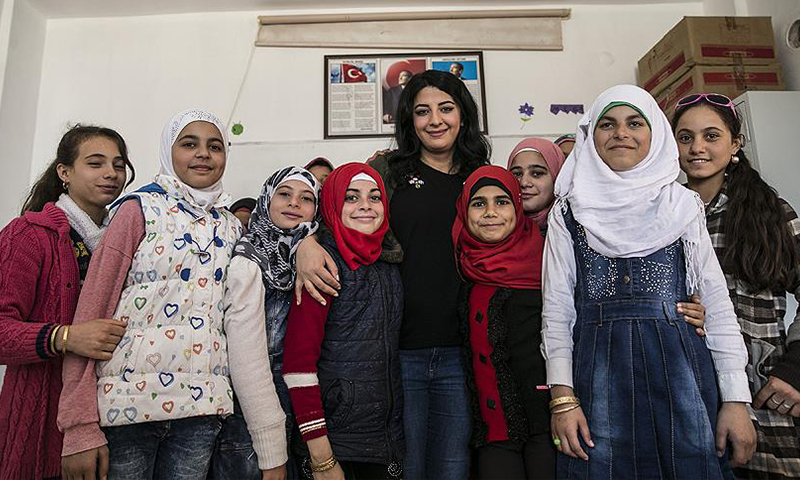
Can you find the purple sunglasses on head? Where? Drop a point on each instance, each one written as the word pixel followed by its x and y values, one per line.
pixel 714 98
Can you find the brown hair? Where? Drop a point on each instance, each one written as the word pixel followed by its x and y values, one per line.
pixel 49 186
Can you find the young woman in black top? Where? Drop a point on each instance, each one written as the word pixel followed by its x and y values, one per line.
pixel 439 145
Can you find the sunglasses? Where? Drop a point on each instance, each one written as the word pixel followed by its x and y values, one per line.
pixel 713 98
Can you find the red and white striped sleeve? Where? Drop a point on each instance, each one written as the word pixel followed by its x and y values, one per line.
pixel 301 351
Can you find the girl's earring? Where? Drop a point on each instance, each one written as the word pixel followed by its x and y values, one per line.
pixel 734 159
pixel 65 185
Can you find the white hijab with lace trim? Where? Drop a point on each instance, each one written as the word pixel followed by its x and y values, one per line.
pixel 639 211
pixel 204 198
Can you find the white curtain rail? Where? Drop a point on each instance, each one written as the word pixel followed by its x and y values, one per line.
pixel 397 16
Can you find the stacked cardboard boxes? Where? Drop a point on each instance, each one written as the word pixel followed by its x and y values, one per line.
pixel 727 55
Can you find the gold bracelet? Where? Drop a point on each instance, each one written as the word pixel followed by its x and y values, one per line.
pixel 64 340
pixel 53 336
pixel 323 466
pixel 562 400
pixel 567 409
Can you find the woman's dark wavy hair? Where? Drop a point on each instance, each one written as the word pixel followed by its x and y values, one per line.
pixel 49 186
pixel 759 247
pixel 471 149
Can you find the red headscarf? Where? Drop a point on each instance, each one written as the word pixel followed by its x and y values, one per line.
pixel 356 248
pixel 515 262
pixel 553 157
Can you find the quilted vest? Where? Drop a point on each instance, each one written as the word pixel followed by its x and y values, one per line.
pixel 359 365
pixel 172 361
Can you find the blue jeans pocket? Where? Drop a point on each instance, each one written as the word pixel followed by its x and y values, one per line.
pixel 234 457
pixel 176 449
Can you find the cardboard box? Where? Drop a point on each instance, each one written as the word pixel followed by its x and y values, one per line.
pixel 728 80
pixel 707 41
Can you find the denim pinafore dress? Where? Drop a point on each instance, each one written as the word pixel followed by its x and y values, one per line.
pixel 646 381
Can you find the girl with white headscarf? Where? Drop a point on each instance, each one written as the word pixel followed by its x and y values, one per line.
pixel 261 277
pixel 634 389
pixel 202 196
pixel 162 268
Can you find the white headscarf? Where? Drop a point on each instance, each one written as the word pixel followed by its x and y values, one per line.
pixel 363 176
pixel 639 211
pixel 204 198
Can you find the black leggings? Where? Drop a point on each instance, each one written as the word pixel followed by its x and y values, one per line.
pixel 359 471
pixel 502 461
pixel 365 471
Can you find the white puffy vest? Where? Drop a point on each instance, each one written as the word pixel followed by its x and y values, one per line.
pixel 172 362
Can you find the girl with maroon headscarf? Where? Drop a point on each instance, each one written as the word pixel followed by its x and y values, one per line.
pixel 499 253
pixel 341 359
pixel 535 162
pixel 320 167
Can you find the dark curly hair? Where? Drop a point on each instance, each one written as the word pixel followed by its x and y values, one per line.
pixel 471 149
pixel 49 186
pixel 759 247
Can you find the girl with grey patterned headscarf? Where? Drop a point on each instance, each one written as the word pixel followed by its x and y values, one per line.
pixel 270 246
pixel 260 280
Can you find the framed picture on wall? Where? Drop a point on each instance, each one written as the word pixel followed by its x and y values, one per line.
pixel 362 91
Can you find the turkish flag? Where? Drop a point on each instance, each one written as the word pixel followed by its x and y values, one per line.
pixel 352 74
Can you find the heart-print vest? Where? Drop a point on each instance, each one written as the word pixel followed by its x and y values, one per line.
pixel 172 362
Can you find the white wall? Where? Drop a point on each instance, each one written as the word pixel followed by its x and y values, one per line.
pixel 783 13
pixel 19 101
pixel 6 13
pixel 724 8
pixel 22 32
pixel 133 73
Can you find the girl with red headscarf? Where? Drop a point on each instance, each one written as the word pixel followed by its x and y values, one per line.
pixel 499 254
pixel 341 358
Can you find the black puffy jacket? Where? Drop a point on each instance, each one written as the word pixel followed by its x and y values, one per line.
pixel 359 366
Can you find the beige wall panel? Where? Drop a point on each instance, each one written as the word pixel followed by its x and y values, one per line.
pixel 540 33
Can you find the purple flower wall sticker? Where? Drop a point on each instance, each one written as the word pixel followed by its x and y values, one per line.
pixel 525 113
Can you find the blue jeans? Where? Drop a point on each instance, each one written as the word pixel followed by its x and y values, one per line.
pixel 436 414
pixel 646 381
pixel 173 449
pixel 234 457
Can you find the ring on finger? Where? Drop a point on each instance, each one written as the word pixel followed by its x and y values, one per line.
pixel 775 402
pixel 556 441
pixel 786 406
